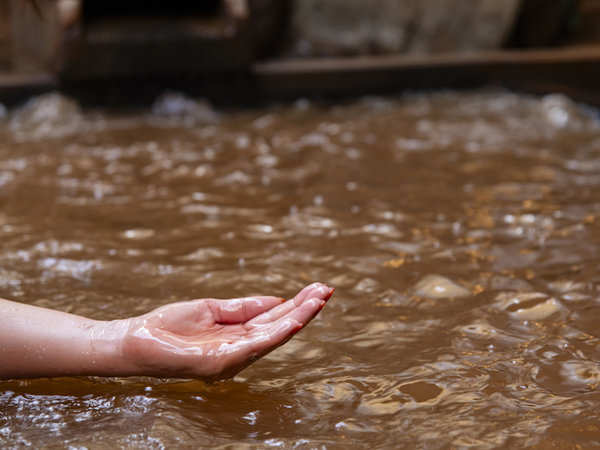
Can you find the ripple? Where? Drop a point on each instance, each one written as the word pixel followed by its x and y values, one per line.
pixel 421 391
pixel 459 228
pixel 176 105
pixel 138 233
pixel 438 287
pixel 533 306
pixel 584 372
pixel 49 115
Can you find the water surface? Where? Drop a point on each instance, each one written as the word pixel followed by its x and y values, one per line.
pixel 461 231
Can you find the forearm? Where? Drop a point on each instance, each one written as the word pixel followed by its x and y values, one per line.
pixel 38 342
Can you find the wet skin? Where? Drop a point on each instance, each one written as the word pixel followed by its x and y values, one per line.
pixel 214 339
pixel 206 339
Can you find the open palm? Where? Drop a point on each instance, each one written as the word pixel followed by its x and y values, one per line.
pixel 213 339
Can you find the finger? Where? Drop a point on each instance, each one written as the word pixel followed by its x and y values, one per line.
pixel 273 314
pixel 304 313
pixel 315 290
pixel 270 334
pixel 264 339
pixel 240 310
pixel 242 352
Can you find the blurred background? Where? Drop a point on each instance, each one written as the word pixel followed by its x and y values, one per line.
pixel 264 48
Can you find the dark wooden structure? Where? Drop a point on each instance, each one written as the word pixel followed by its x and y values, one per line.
pixel 213 48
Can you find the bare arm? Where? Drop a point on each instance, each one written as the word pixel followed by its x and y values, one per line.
pixel 39 342
pixel 207 339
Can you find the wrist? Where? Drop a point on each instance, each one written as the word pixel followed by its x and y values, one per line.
pixel 106 342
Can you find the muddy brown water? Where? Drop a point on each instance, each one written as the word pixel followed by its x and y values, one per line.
pixel 461 231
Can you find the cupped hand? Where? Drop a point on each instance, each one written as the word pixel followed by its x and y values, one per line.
pixel 214 339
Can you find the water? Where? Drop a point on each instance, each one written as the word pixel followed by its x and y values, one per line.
pixel 461 231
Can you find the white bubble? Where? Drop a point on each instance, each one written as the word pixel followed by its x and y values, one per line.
pixel 177 105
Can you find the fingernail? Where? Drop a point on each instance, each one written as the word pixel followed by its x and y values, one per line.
pixel 322 304
pixel 282 299
pixel 328 296
pixel 295 330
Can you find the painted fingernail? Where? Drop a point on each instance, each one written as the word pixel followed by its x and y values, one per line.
pixel 295 330
pixel 328 296
pixel 322 304
pixel 282 299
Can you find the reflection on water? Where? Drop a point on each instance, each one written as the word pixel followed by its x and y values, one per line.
pixel 461 231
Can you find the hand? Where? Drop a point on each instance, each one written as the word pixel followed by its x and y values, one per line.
pixel 215 339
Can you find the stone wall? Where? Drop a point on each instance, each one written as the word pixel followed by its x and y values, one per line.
pixel 351 27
